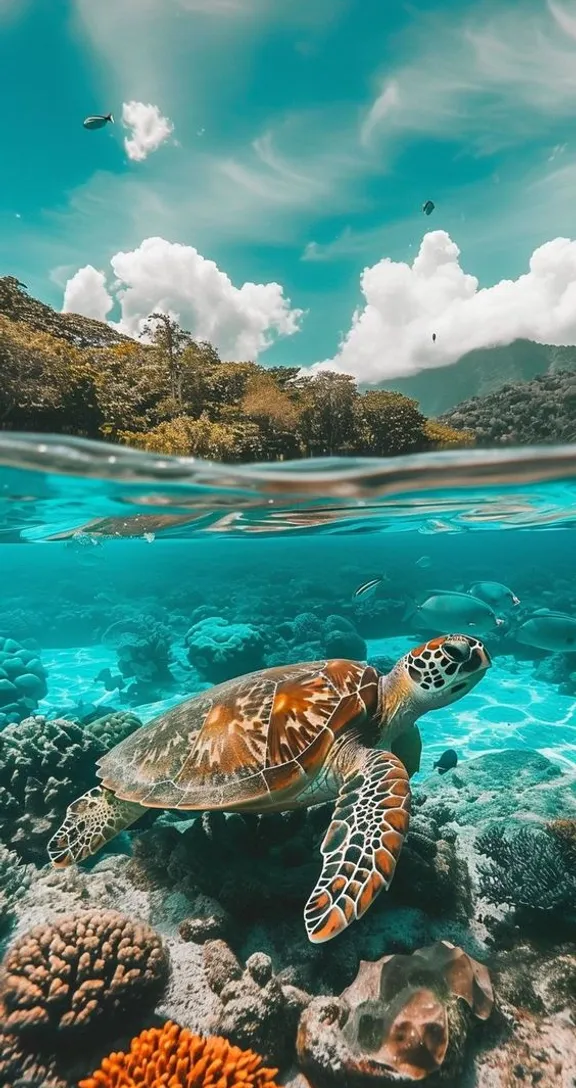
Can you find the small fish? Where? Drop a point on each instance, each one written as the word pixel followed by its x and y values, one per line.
pixel 552 631
pixel 367 589
pixel 446 611
pixel 423 562
pixel 495 594
pixel 98 121
pixel 434 337
pixel 149 537
pixel 111 683
pixel 448 760
pixel 428 207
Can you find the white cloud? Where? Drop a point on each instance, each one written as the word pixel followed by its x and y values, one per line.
pixel 149 129
pixel 172 278
pixel 385 103
pixel 86 294
pixel 391 335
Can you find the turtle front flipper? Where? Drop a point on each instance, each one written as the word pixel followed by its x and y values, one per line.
pixel 362 844
pixel 90 822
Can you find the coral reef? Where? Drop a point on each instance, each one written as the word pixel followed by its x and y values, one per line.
pixel 510 785
pixel 220 650
pixel 255 865
pixel 111 728
pixel 44 765
pixel 403 1018
pixel 172 1055
pixel 22 681
pixel 255 1007
pixel 79 972
pixel 14 880
pixel 19 1067
pixel 529 868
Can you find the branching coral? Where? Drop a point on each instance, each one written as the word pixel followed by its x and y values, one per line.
pixel 220 650
pixel 22 681
pixel 530 868
pixel 173 1056
pixel 80 971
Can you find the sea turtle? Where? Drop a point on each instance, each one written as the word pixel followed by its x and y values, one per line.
pixel 285 738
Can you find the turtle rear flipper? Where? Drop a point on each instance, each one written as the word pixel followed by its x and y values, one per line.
pixel 362 844
pixel 91 821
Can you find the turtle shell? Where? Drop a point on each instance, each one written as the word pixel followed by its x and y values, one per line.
pixel 246 743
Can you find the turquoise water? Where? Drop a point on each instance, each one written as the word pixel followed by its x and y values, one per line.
pixel 261 546
pixel 131 584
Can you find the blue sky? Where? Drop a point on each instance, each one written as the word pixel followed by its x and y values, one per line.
pixel 307 134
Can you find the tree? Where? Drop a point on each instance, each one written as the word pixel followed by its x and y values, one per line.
pixel 388 424
pixel 170 341
pixel 275 413
pixel 327 418
pixel 186 437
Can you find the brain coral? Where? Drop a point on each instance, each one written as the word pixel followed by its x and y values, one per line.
pixel 81 970
pixel 22 681
pixel 171 1055
pixel 44 765
pixel 221 650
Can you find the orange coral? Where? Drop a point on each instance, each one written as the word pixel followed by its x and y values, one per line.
pixel 172 1057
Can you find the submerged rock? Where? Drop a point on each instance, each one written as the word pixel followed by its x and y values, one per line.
pixel 403 1018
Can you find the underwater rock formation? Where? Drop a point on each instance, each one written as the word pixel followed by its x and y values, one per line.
pixel 173 1055
pixel 14 880
pixel 22 681
pixel 91 969
pixel 403 1018
pixel 255 1008
pixel 531 869
pixel 220 650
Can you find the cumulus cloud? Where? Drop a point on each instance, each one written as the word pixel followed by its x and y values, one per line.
pixel 241 322
pixel 149 127
pixel 391 334
pixel 85 293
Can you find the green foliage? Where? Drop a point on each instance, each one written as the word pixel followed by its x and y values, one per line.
pixel 174 395
pixel 521 413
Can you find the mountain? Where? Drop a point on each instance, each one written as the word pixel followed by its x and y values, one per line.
pixel 82 332
pixel 482 372
pixel 519 413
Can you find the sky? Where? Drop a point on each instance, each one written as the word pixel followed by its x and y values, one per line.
pixel 265 175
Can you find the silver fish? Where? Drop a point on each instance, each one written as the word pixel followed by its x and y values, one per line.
pixel 444 611
pixel 552 631
pixel 367 589
pixel 423 562
pixel 98 120
pixel 495 594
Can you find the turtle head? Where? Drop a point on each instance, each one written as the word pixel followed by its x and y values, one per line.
pixel 431 676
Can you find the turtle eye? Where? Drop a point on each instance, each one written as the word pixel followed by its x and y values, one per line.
pixel 457 651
